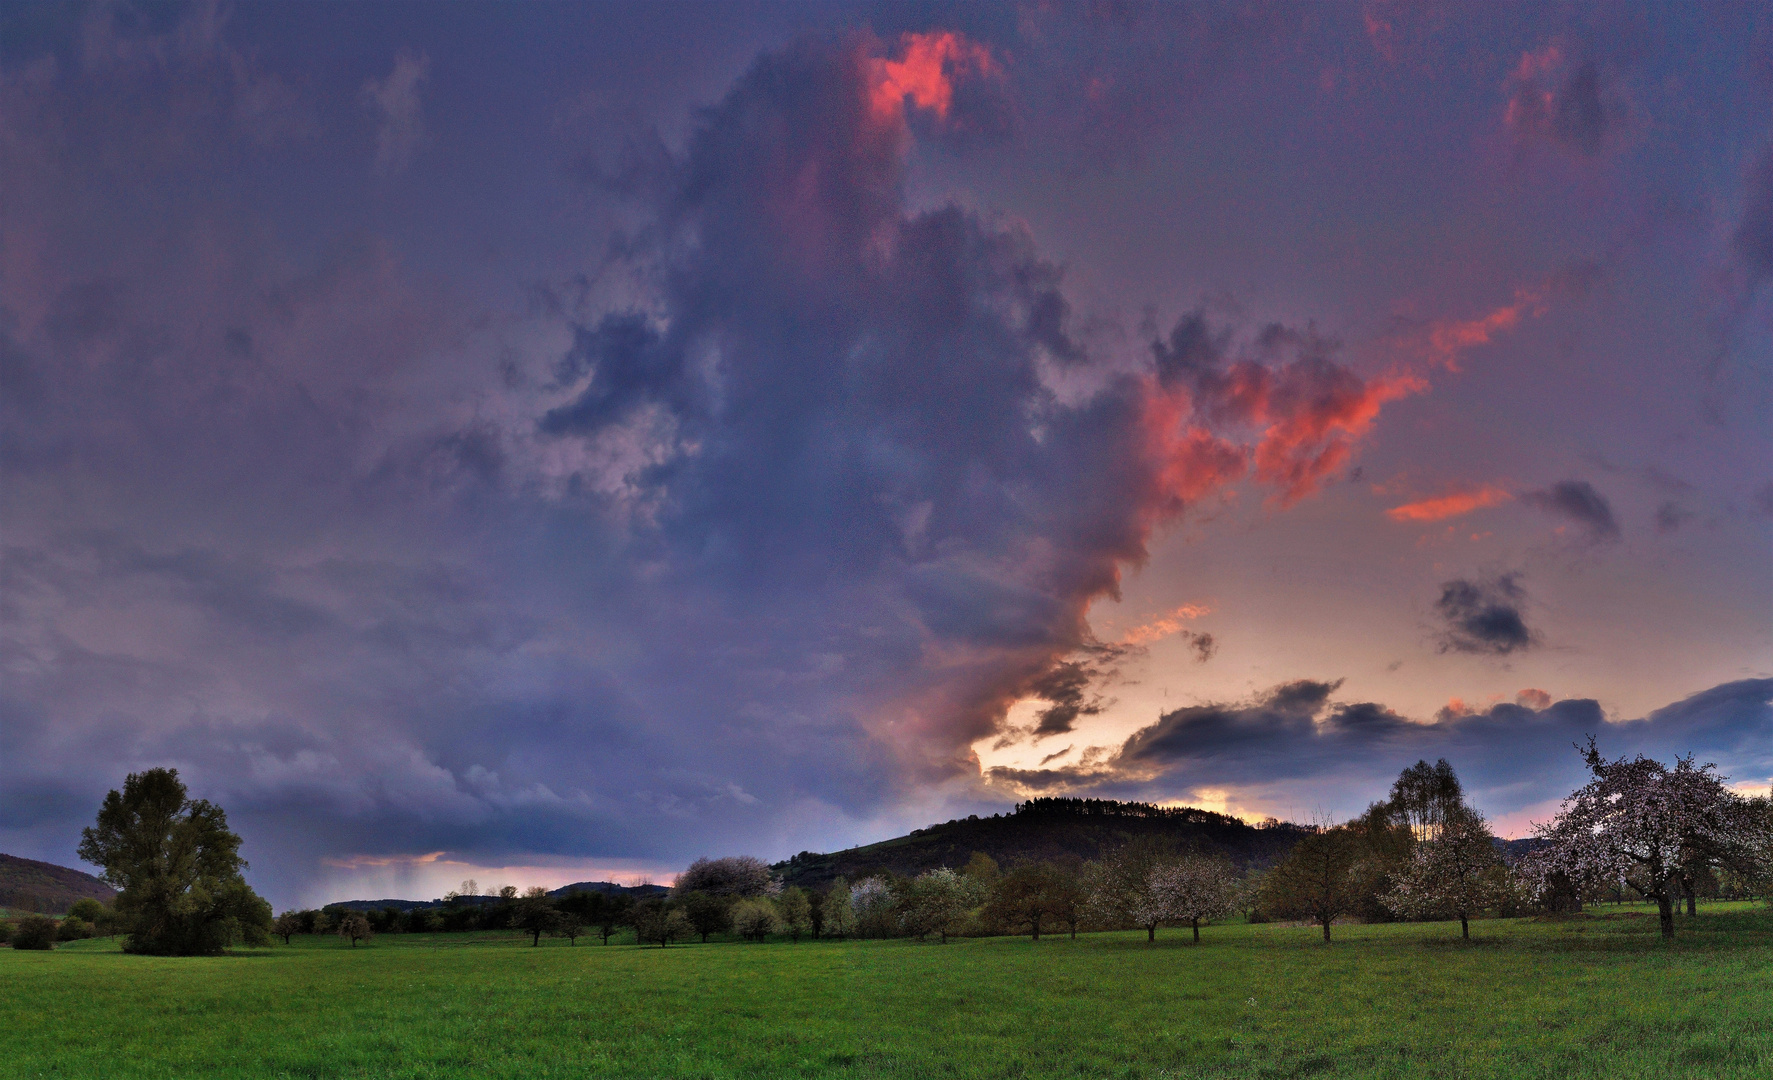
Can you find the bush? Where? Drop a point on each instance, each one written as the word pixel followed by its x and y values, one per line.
pixel 5 931
pixel 73 928
pixel 34 932
pixel 88 909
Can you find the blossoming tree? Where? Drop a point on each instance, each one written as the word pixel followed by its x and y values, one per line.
pixel 1194 888
pixel 1457 873
pixel 1645 824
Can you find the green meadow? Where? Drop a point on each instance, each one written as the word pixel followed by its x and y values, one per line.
pixel 1596 995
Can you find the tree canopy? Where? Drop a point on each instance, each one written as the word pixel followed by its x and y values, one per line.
pixel 176 867
pixel 1642 823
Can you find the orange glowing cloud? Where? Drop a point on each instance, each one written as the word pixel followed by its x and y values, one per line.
pixel 1169 625
pixel 1533 698
pixel 1448 506
pixel 925 73
pixel 1448 338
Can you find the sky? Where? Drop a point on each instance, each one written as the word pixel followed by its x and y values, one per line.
pixel 540 443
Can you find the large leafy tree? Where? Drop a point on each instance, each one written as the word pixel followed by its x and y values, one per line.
pixel 734 876
pixel 176 868
pixel 1029 897
pixel 1426 797
pixel 1644 824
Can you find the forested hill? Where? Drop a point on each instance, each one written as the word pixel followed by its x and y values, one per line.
pixel 29 885
pixel 607 887
pixel 1047 829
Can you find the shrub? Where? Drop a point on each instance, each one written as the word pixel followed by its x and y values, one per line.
pixel 34 932
pixel 73 928
pixel 5 931
pixel 88 909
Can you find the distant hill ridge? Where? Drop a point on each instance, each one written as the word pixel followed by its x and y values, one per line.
pixel 1049 828
pixel 29 885
pixel 608 887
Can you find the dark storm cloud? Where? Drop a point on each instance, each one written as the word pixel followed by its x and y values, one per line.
pixel 1295 743
pixel 1578 501
pixel 1484 616
pixel 1065 688
pixel 763 545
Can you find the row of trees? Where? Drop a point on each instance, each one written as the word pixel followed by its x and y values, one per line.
pixel 1638 827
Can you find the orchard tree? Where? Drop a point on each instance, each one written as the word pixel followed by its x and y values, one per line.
pixel 286 926
pixel 1120 887
pixel 606 914
pixel 1029 896
pixel 1193 888
pixel 1070 895
pixel 1317 880
pixel 795 911
pixel 872 901
pixel 707 913
pixel 657 920
pixel 535 915
pixel 568 925
pixel 176 868
pixel 354 926
pixel 840 913
pixel 1458 873
pixel 755 918
pixel 937 902
pixel 1643 823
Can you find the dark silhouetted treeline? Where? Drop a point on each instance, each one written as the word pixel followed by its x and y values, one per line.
pixel 1049 830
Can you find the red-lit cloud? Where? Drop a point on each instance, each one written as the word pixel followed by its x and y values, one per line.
pixel 1317 416
pixel 1308 416
pixel 1452 505
pixel 925 73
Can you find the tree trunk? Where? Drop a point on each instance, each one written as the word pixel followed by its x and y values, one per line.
pixel 1692 903
pixel 1464 928
pixel 1151 932
pixel 1326 923
pixel 1036 927
pixel 1665 911
pixel 1074 931
pixel 1196 924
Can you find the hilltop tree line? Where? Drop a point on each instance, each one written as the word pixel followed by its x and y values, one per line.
pixel 1638 828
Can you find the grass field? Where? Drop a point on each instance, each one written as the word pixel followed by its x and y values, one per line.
pixel 1594 996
